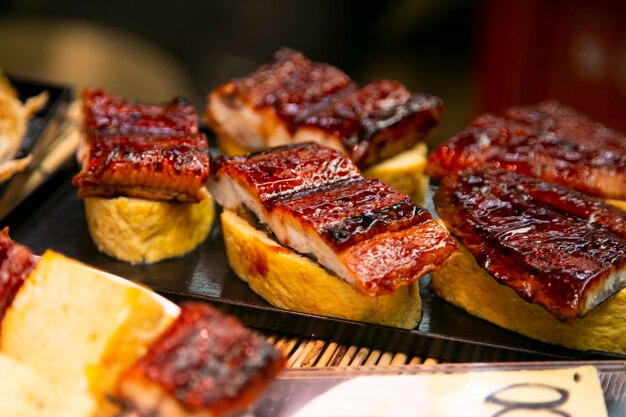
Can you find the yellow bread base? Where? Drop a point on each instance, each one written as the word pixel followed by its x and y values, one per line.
pixel 80 327
pixel 465 284
pixel 144 231
pixel 231 147
pixel 404 172
pixel 291 281
pixel 617 203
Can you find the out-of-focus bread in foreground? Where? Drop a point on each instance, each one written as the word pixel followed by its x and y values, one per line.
pixel 25 392
pixel 80 327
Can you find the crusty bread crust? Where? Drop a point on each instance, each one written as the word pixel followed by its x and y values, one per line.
pixel 294 282
pixel 144 231
pixel 404 172
pixel 464 283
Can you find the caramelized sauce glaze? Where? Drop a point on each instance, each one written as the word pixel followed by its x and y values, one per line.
pixel 547 141
pixel 179 163
pixel 292 85
pixel 373 122
pixel 348 212
pixel 283 170
pixel 106 114
pixel 151 151
pixel 373 117
pixel 380 235
pixel 525 235
pixel 209 360
pixel 394 258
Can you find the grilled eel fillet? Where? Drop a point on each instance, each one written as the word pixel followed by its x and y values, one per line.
pixel 141 150
pixel 292 99
pixel 552 245
pixel 106 114
pixel 206 364
pixel 548 141
pixel 16 263
pixel 314 200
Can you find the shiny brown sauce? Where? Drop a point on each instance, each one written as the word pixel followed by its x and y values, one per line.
pixel 106 114
pixel 372 122
pixel 548 243
pixel 548 141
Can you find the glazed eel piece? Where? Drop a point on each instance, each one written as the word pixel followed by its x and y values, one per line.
pixel 206 364
pixel 314 200
pixel 107 114
pixel 549 141
pixel 553 246
pixel 151 151
pixel 293 99
pixel 16 263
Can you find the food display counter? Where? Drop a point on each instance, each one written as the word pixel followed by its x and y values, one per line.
pixel 329 358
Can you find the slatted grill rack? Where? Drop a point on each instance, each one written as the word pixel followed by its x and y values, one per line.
pixel 302 352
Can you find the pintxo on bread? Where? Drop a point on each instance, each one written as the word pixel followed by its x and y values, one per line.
pixel 143 165
pixel 107 114
pixel 559 254
pixel 293 99
pixel 142 150
pixel 314 201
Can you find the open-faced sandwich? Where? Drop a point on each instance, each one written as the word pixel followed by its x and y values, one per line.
pixel 537 258
pixel 549 141
pixel 309 233
pixel 381 126
pixel 78 342
pixel 143 177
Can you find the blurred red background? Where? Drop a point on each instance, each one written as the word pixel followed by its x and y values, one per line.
pixel 574 51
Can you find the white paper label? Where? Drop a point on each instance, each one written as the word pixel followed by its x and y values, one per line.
pixel 564 392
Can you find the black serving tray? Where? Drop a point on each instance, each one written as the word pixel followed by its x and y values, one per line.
pixel 445 332
pixel 43 127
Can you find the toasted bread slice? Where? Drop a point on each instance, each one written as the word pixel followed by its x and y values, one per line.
pixel 80 327
pixel 404 172
pixel 291 281
pixel 464 283
pixel 145 231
